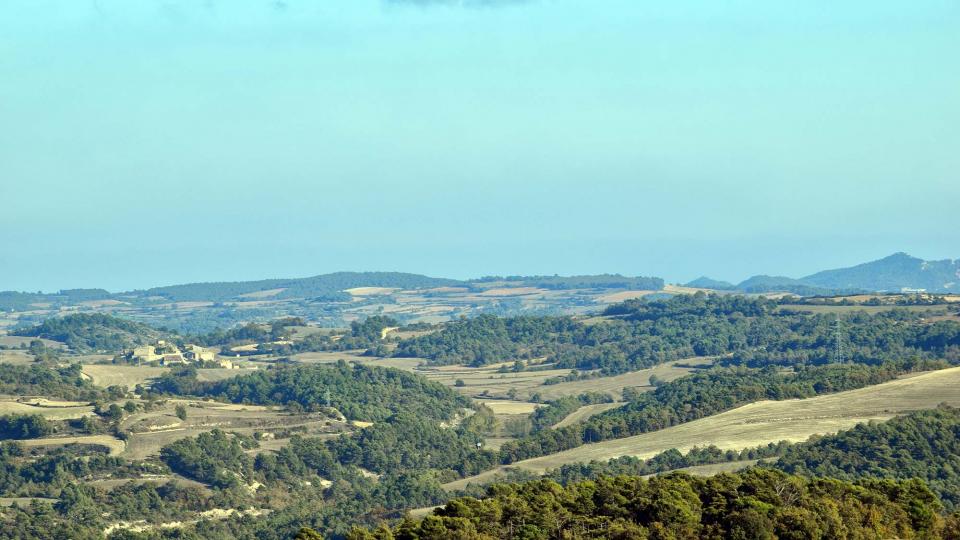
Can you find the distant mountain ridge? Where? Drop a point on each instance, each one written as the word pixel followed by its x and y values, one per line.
pixel 894 273
pixel 899 272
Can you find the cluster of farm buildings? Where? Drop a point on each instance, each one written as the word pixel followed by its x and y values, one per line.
pixel 168 354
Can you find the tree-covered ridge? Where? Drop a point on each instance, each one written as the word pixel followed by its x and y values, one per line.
pixel 756 504
pixel 358 392
pixel 925 445
pixel 640 334
pixel 704 394
pixel 39 380
pixel 93 332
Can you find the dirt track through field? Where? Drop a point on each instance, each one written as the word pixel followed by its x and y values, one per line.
pixel 763 422
pixel 116 446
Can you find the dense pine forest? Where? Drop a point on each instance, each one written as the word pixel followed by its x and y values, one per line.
pixel 924 445
pixel 750 505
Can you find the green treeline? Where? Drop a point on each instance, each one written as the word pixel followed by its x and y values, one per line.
pixel 924 445
pixel 756 504
pixel 24 426
pixel 640 334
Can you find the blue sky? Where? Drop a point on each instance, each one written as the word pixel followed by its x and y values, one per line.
pixel 148 142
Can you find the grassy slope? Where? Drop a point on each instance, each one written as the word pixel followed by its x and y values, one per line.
pixel 765 421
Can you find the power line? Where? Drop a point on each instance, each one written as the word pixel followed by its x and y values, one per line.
pixel 838 354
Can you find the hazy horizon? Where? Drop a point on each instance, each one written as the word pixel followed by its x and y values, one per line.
pixel 148 143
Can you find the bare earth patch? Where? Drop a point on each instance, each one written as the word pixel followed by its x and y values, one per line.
pixel 50 413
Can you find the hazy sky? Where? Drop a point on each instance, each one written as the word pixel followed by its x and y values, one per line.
pixel 148 142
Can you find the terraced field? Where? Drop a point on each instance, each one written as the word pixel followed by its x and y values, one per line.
pixel 70 411
pixel 105 375
pixel 115 446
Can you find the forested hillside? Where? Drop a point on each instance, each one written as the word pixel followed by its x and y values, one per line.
pixel 924 445
pixel 751 505
pixel 640 334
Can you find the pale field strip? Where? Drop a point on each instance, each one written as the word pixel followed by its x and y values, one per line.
pixel 20 341
pixel 16 357
pixel 184 305
pixel 621 296
pixel 763 422
pixel 262 294
pixel 101 303
pixel 512 291
pixel 679 289
pixel 370 291
pixel 585 412
pixel 53 403
pixel 614 385
pixel 506 406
